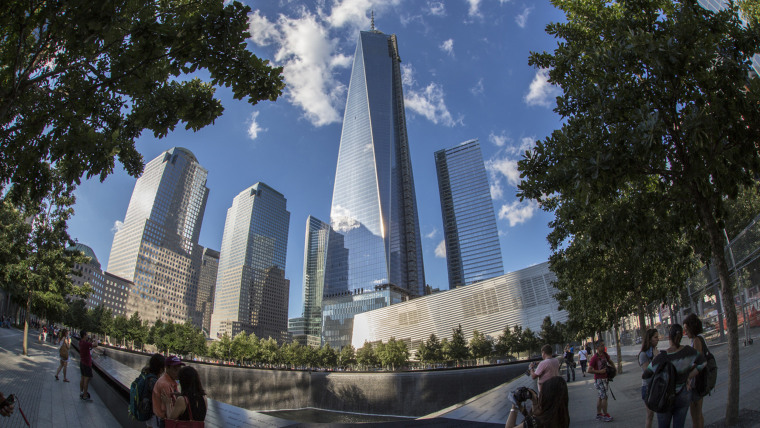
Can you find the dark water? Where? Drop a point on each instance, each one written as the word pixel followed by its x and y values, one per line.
pixel 326 416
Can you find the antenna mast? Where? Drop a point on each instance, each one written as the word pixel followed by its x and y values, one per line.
pixel 372 22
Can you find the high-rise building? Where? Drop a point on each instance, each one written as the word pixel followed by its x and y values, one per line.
pixel 251 289
pixel 374 205
pixel 718 5
pixel 472 239
pixel 157 246
pixel 307 329
pixel 207 286
pixel 108 290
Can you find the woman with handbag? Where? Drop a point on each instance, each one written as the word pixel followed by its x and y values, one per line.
pixel 189 409
pixel 63 352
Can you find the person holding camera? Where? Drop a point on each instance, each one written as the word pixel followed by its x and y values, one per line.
pixel 569 362
pixel 86 344
pixel 546 369
pixel 549 408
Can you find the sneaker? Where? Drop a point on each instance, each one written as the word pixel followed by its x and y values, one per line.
pixel 606 417
pixel 599 416
pixel 56 377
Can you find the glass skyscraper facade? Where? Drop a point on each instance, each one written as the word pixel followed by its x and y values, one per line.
pixel 157 246
pixel 318 234
pixel 251 289
pixel 207 287
pixel 374 205
pixel 473 252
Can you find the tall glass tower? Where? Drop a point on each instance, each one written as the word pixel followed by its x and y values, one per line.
pixel 472 239
pixel 157 246
pixel 374 205
pixel 251 289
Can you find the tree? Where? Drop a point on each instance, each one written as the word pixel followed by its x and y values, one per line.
pixel 550 333
pixel 457 347
pixel 100 320
pixel 518 344
pixel 529 341
pixel 654 90
pixel 35 262
pixel 393 354
pixel 505 342
pixel 137 332
pixel 240 348
pixel 347 356
pixel 81 83
pixel 269 351
pixel 430 351
pixel 327 356
pixel 365 356
pixel 480 345
pixel 119 330
pixel 224 347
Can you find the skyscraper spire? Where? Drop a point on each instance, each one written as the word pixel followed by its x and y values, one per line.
pixel 372 22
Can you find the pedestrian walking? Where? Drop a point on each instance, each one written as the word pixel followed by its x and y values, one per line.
pixel 191 404
pixel 687 363
pixel 583 359
pixel 63 352
pixel 646 355
pixel 86 344
pixel 692 328
pixel 166 385
pixel 598 367
pixel 546 369
pixel 569 362
pixel 549 410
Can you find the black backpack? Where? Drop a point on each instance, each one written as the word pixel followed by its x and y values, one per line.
pixel 611 371
pixel 706 379
pixel 661 389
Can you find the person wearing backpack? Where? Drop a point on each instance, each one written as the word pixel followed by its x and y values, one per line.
pixel 63 352
pixel 646 355
pixel 598 367
pixel 686 363
pixel 141 392
pixel 692 327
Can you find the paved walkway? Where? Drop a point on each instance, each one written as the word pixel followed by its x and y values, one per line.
pixel 45 402
pixel 628 409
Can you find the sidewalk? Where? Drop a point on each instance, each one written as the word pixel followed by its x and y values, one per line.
pixel 628 409
pixel 45 401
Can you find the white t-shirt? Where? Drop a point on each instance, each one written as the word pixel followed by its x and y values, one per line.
pixel 582 355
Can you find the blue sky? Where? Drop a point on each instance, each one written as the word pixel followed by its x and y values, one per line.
pixel 466 75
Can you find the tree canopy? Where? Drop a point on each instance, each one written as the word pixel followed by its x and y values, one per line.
pixel 80 81
pixel 658 93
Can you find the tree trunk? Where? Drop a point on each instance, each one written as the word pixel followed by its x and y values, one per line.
pixel 618 347
pixel 25 345
pixel 719 259
pixel 642 320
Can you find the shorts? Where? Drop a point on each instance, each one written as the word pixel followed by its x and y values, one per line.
pixel 644 392
pixel 86 370
pixel 695 397
pixel 64 360
pixel 601 387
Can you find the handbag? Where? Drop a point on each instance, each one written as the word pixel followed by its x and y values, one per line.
pixel 173 423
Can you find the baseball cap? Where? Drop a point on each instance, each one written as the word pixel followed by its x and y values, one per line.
pixel 173 360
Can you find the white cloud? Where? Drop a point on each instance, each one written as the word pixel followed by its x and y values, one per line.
pixel 478 88
pixel 117 225
pixel 436 8
pixel 253 126
pixel 518 212
pixel 432 234
pixel 499 140
pixel 474 7
pixel 428 102
pixel 440 250
pixel 448 46
pixel 541 92
pixel 497 192
pixel 504 167
pixel 522 19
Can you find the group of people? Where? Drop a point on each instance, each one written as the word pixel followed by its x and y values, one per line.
pixel 186 404
pixel 549 406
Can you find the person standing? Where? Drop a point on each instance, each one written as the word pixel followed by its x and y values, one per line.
pixel 154 370
pixel 546 369
pixel 583 358
pixel 598 367
pixel 646 355
pixel 688 363
pixel 191 404
pixel 85 363
pixel 692 328
pixel 166 385
pixel 569 362
pixel 63 352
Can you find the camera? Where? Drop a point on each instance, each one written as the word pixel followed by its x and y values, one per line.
pixel 521 395
pixel 9 400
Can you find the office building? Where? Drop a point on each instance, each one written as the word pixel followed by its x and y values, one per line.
pixel 523 298
pixel 206 287
pixel 473 252
pixel 108 290
pixel 374 205
pixel 157 246
pixel 251 289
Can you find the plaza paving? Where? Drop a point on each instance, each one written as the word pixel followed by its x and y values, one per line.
pixel 49 403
